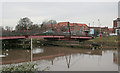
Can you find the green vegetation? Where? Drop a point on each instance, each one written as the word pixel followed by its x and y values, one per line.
pixel 20 67
pixel 25 68
pixel 107 42
pixel 113 39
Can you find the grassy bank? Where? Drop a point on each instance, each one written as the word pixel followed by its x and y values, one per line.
pixel 109 39
pixel 20 67
pixel 109 42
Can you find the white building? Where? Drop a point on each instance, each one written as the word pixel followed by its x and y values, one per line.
pixel 117 26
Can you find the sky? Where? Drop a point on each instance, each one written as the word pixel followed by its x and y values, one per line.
pixel 60 0
pixel 76 12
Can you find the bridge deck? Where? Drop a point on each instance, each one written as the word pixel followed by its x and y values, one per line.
pixel 41 36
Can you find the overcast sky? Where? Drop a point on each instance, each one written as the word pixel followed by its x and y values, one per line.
pixel 77 12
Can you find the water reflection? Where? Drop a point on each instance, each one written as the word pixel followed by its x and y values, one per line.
pixel 68 58
pixel 5 53
pixel 2 56
pixel 37 50
pixel 115 57
pixel 65 59
pixel 18 55
pixel 81 62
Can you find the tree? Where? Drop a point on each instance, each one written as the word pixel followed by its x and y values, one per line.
pixel 1 29
pixel 8 28
pixel 63 28
pixel 34 26
pixel 50 22
pixel 24 24
pixel 97 32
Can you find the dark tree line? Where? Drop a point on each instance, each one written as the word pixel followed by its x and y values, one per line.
pixel 26 24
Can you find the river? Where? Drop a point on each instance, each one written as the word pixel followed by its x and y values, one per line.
pixel 64 58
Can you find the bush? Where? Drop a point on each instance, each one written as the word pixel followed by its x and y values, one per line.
pixel 20 67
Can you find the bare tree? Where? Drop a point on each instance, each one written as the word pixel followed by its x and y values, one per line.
pixel 8 28
pixel 24 24
pixel 34 26
pixel 48 22
pixel 51 22
pixel 63 28
pixel 1 29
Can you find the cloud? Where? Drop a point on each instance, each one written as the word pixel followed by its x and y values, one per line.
pixel 74 12
pixel 60 0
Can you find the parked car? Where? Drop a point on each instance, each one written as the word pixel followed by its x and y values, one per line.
pixel 49 32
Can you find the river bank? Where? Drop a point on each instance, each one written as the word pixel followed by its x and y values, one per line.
pixel 53 49
pixel 23 55
pixel 70 59
pixel 110 42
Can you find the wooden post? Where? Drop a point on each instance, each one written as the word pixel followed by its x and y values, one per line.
pixel 31 51
pixel 23 43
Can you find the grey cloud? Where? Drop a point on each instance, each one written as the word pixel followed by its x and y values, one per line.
pixel 75 12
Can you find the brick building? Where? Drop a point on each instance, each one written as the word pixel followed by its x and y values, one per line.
pixel 110 30
pixel 74 28
pixel 103 30
pixel 116 26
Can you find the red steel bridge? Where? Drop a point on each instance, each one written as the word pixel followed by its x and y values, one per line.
pixel 49 37
pixel 37 33
pixel 18 39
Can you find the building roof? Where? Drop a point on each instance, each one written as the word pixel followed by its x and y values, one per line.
pixel 66 24
pixel 82 25
pixel 118 19
pixel 110 29
pixel 71 24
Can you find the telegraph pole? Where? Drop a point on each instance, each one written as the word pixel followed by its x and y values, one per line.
pixel 31 51
pixel 89 24
pixel 69 30
pixel 51 25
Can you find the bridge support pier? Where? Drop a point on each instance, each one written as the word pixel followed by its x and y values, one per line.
pixel 15 43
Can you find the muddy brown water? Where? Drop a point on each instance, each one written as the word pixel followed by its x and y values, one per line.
pixel 64 58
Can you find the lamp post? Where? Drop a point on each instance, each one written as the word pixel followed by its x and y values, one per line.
pixel 100 27
pixel 93 24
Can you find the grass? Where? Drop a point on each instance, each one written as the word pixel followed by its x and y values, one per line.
pixel 20 67
pixel 109 42
pixel 113 39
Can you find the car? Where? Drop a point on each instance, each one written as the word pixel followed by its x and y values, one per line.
pixel 48 32
pixel 66 33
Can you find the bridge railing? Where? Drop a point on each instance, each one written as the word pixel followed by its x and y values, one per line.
pixel 39 32
pixel 63 34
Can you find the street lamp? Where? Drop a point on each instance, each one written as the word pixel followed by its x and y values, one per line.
pixel 100 27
